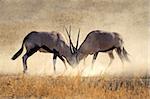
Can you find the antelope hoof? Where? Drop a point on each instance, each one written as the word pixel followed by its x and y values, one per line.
pixel 24 71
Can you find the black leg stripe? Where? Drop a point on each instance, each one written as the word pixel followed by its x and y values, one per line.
pixel 107 49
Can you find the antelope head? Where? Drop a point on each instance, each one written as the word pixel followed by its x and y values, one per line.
pixel 73 49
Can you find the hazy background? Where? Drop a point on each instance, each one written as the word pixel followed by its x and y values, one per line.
pixel 130 18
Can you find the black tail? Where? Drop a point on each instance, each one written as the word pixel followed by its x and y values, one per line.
pixel 125 54
pixel 18 53
pixel 21 49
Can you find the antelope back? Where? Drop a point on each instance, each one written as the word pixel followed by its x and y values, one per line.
pixel 96 41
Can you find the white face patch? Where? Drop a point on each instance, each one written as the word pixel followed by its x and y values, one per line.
pixel 73 62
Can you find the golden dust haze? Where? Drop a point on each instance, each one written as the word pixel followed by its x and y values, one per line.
pixel 127 17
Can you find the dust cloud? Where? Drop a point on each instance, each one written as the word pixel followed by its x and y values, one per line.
pixel 127 17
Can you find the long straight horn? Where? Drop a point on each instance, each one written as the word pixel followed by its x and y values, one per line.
pixel 71 45
pixel 70 37
pixel 78 40
pixel 74 49
pixel 70 30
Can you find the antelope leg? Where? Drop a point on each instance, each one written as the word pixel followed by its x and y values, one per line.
pixel 24 60
pixel 63 60
pixel 54 61
pixel 119 52
pixel 54 57
pixel 27 55
pixel 111 60
pixel 94 58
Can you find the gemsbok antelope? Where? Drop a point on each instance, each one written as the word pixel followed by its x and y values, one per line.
pixel 101 41
pixel 48 42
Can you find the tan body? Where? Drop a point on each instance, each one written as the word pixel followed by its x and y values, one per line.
pixel 53 40
pixel 47 42
pixel 101 41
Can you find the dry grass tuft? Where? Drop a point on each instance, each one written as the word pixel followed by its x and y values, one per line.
pixel 77 87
